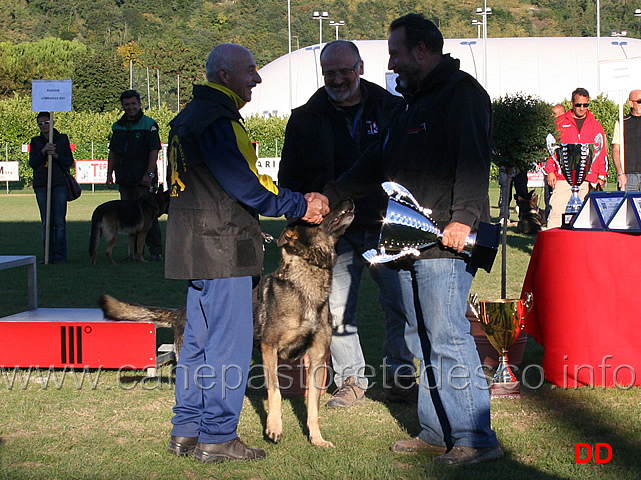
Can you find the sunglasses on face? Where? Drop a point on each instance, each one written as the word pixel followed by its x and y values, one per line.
pixel 637 101
pixel 46 122
pixel 579 105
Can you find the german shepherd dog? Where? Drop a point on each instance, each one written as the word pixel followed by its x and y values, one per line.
pixel 530 215
pixel 291 313
pixel 127 216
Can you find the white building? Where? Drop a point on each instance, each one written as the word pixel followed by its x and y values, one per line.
pixel 549 68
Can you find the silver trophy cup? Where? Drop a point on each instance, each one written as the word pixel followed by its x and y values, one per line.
pixel 575 160
pixel 407 229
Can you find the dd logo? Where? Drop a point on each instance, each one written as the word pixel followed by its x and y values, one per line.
pixel 597 453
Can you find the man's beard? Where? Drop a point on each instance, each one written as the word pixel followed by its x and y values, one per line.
pixel 342 95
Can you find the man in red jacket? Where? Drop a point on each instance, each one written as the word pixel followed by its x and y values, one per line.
pixel 577 125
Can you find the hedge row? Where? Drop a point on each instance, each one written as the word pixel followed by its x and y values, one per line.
pixel 18 126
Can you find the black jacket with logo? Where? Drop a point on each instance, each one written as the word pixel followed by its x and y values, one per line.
pixel 438 147
pixel 322 142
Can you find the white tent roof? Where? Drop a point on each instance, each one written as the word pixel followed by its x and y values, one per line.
pixel 550 68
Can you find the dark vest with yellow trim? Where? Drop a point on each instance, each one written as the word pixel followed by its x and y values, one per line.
pixel 209 234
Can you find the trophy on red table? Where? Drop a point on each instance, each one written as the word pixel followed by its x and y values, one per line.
pixel 575 160
pixel 407 229
pixel 502 321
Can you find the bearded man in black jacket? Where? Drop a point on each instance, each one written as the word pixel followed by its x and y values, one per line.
pixel 438 147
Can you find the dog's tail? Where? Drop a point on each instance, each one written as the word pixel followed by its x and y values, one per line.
pixel 115 309
pixel 96 232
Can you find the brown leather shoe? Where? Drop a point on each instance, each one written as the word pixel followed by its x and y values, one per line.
pixel 182 446
pixel 232 450
pixel 350 394
pixel 465 455
pixel 417 445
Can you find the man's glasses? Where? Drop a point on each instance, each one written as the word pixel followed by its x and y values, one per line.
pixel 579 105
pixel 46 122
pixel 343 72
pixel 637 101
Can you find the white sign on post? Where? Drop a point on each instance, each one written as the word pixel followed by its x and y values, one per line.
pixel 51 95
pixel 619 75
pixel 9 172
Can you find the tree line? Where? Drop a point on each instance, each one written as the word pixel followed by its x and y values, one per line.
pixel 94 43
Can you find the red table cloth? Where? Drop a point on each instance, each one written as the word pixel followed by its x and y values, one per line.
pixel 587 292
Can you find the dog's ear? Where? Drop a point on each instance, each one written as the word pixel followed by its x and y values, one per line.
pixel 289 235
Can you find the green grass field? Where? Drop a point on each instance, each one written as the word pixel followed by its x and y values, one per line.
pixel 116 424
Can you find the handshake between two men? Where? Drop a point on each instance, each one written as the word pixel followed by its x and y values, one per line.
pixel 317 207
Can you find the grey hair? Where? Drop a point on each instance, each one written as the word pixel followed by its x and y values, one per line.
pixel 220 58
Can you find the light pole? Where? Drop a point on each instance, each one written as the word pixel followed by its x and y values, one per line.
pixel 484 12
pixel 478 27
pixel 320 16
pixel 637 13
pixel 621 44
pixel 340 23
pixel 469 44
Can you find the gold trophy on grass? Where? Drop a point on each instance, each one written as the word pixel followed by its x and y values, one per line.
pixel 502 321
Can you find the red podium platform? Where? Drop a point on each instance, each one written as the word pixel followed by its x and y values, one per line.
pixel 79 337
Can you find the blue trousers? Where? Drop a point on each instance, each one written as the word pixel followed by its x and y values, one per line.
pixel 212 370
pixel 454 399
pixel 347 354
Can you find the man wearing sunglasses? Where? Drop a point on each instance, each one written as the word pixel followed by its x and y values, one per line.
pixel 577 125
pixel 628 165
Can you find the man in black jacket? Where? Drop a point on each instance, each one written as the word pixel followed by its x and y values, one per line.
pixel 438 147
pixel 323 139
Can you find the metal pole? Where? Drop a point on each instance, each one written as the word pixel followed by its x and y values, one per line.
pixel 598 47
pixel 485 44
pixel 49 172
pixel 148 91
pixel 131 74
pixel 93 185
pixel 158 75
pixel 178 90
pixel 289 46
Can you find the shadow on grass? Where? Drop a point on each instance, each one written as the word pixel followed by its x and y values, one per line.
pixel 257 398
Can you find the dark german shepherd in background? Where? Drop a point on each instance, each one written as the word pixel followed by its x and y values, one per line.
pixel 530 215
pixel 291 314
pixel 126 216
